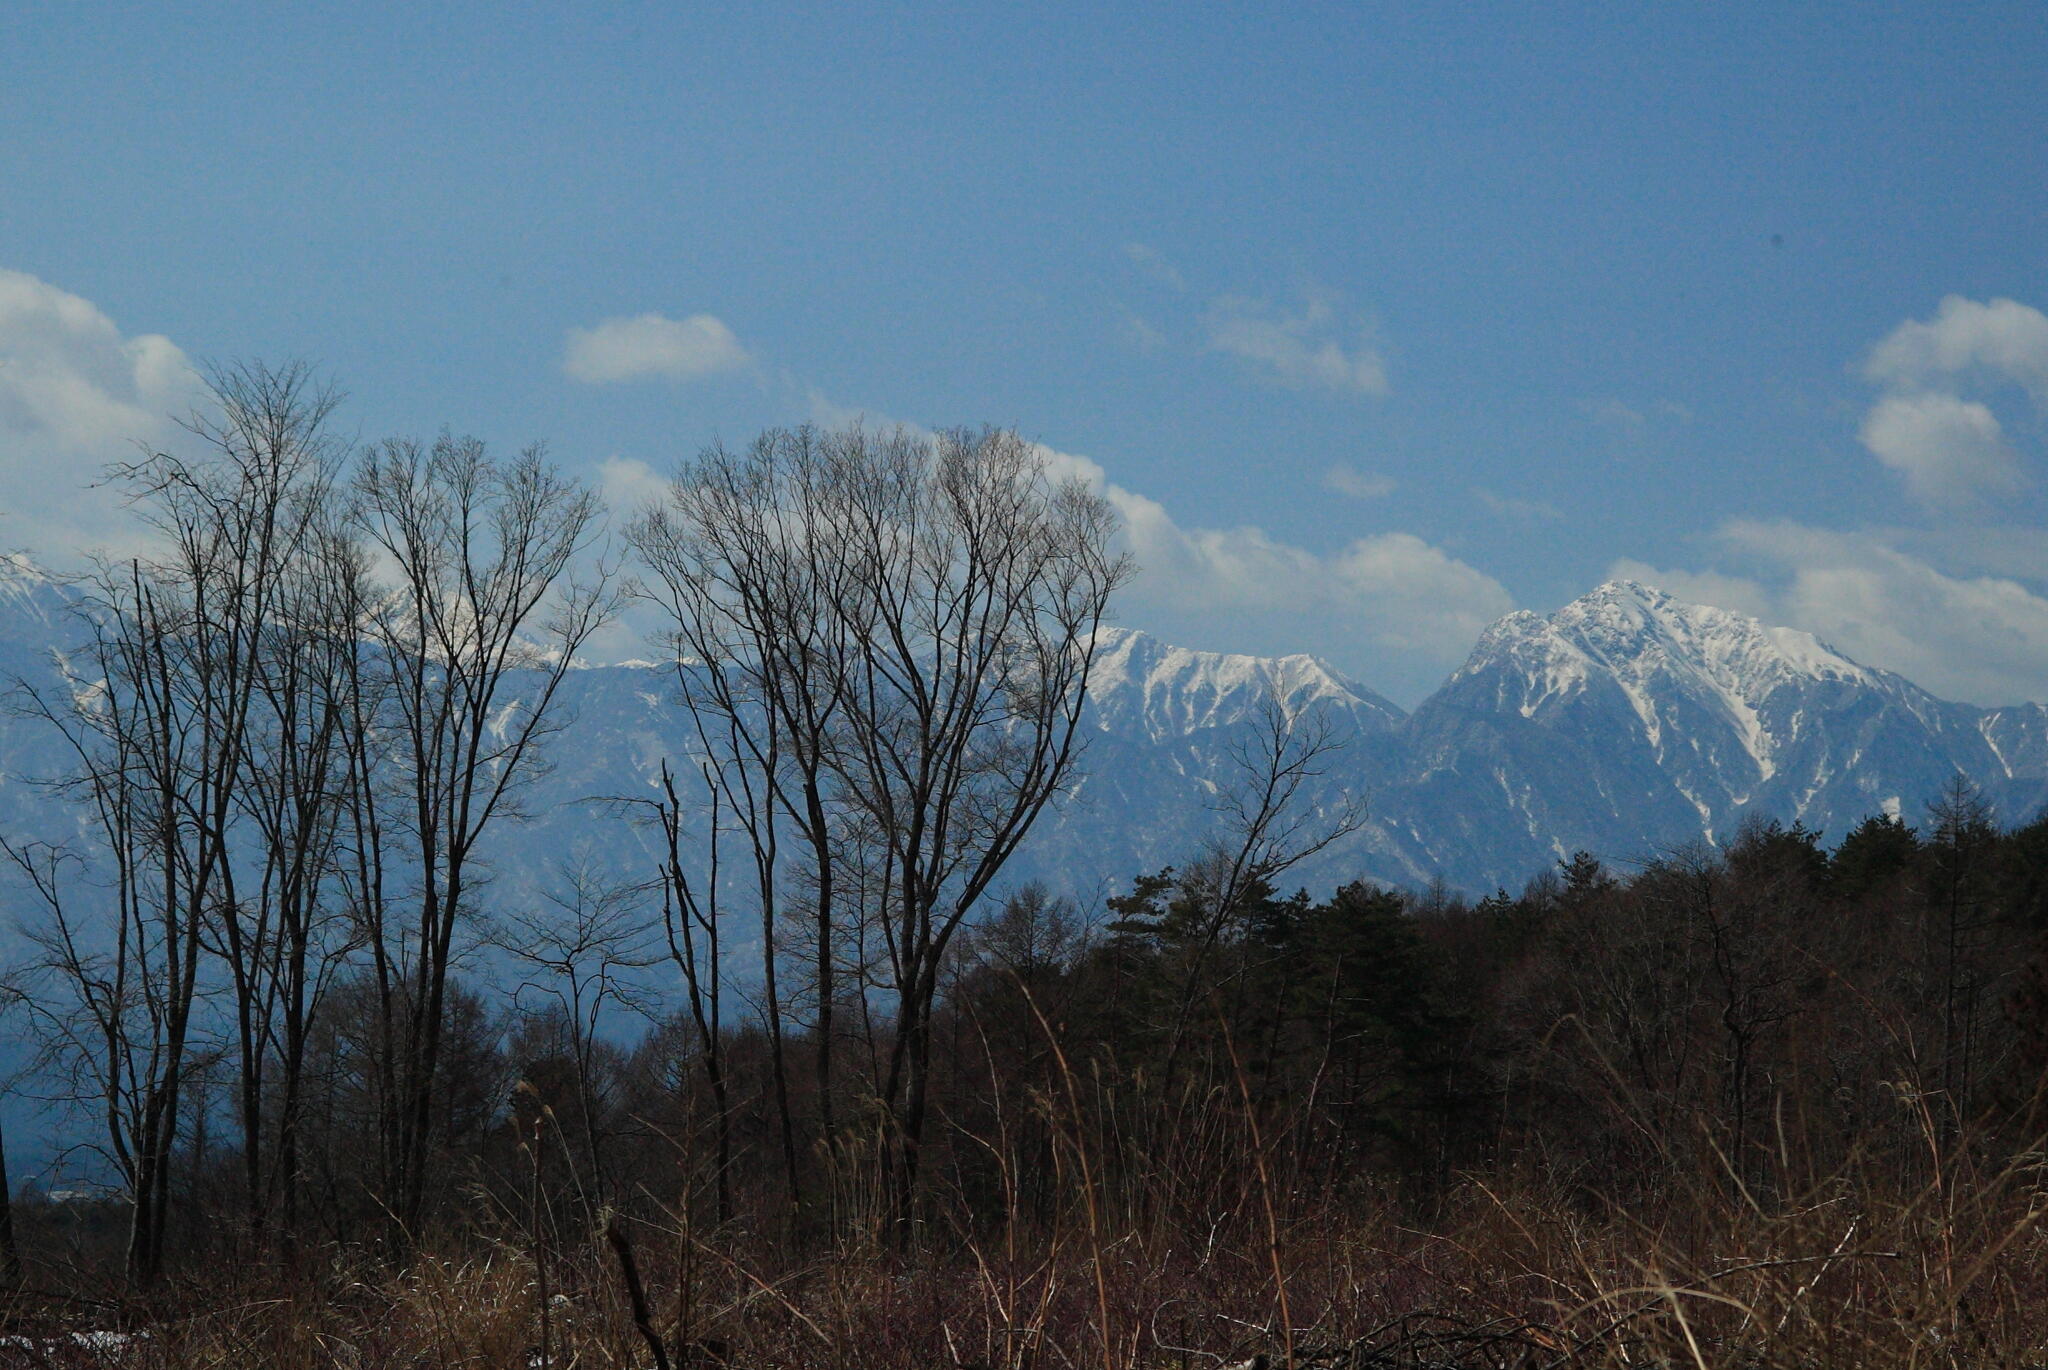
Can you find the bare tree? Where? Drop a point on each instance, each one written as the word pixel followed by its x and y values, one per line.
pixel 251 524
pixel 469 651
pixel 121 952
pixel 202 726
pixel 901 628
pixel 695 935
pixel 12 1000
pixel 1265 828
pixel 299 798
pixel 581 952
pixel 744 555
pixel 976 587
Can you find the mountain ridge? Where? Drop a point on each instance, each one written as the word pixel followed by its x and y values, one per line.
pixel 1627 722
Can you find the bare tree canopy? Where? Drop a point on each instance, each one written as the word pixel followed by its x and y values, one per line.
pixel 470 648
pixel 201 722
pixel 261 730
pixel 885 639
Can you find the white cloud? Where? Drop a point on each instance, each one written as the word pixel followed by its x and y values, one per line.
pixel 1957 606
pixel 75 394
pixel 2018 552
pixel 1242 589
pixel 1979 638
pixel 2003 337
pixel 623 349
pixel 1391 606
pixel 629 485
pixel 1301 350
pixel 1612 413
pixel 1416 596
pixel 1634 427
pixel 1738 593
pixel 1346 479
pixel 1950 450
pixel 1140 332
pixel 1982 638
pixel 829 413
pixel 68 377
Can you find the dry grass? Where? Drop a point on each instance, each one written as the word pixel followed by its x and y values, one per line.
pixel 1180 1234
pixel 1841 1273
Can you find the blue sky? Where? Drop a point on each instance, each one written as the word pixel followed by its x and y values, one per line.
pixel 1377 321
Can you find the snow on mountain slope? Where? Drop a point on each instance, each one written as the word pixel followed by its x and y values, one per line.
pixel 32 602
pixel 2018 738
pixel 1144 688
pixel 35 622
pixel 1629 722
pixel 1681 669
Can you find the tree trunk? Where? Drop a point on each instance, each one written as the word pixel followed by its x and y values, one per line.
pixel 10 1255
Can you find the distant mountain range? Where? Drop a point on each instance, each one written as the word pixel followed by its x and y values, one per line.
pixel 1626 723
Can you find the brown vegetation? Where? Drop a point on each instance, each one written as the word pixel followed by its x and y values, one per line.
pixel 1504 1135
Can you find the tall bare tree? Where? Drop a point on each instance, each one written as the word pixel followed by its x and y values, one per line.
pixel 470 647
pixel 695 933
pixel 165 711
pixel 899 631
pixel 744 564
pixel 299 797
pixel 251 521
pixel 120 947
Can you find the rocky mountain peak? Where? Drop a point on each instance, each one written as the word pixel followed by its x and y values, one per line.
pixel 1632 632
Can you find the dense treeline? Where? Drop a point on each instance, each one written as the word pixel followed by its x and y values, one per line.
pixel 1763 1011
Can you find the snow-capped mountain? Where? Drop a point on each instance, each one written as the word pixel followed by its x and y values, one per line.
pixel 1625 723
pixel 1629 722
